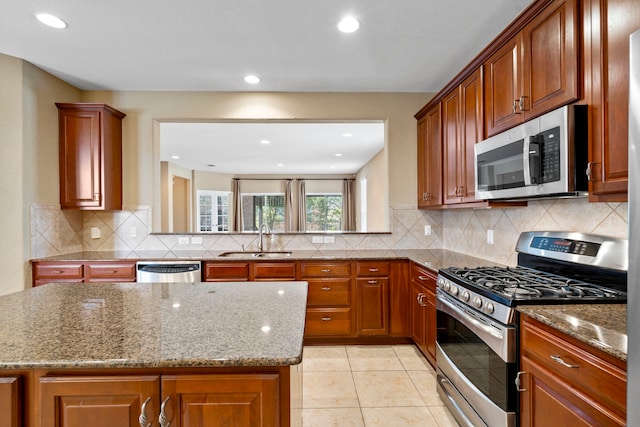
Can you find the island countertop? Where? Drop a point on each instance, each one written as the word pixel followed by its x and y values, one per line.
pixel 153 325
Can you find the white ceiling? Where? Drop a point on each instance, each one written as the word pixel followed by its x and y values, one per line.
pixel 292 45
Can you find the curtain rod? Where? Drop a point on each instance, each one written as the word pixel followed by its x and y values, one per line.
pixel 294 179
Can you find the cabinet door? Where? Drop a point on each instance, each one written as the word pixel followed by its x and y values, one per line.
pixel 373 306
pixel 503 87
pixel 609 24
pixel 99 401
pixel 451 147
pixel 471 132
pixel 550 62
pixel 222 400
pixel 10 402
pixel 430 159
pixel 274 271
pixel 226 271
pixel 418 315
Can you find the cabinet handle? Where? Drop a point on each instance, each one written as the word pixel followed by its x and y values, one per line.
pixel 559 360
pixel 516 103
pixel 57 272
pixel 142 419
pixel 421 299
pixel 96 197
pixel 522 103
pixel 326 288
pixel 110 272
pixel 372 282
pixel 326 319
pixel 460 190
pixel 427 196
pixel 162 419
pixel 519 382
pixel 423 278
pixel 373 270
pixel 326 270
pixel 589 171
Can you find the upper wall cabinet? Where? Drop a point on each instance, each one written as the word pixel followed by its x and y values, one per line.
pixel 430 159
pixel 90 150
pixel 535 71
pixel 607 26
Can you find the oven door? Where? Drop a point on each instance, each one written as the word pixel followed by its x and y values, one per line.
pixel 476 365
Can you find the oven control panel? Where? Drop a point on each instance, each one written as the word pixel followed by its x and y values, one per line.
pixel 567 246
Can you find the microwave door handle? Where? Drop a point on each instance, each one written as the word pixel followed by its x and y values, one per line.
pixel 532 161
pixel 525 161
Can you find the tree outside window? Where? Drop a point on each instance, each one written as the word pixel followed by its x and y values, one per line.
pixel 258 209
pixel 324 212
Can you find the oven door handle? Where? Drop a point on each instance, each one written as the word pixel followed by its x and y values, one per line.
pixel 501 339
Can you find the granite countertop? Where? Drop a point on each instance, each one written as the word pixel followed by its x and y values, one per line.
pixel 603 326
pixel 430 258
pixel 153 325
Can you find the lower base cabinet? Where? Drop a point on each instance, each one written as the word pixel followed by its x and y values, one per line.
pixel 423 311
pixel 217 400
pixel 10 404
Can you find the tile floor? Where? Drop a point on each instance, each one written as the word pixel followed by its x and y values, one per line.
pixel 370 386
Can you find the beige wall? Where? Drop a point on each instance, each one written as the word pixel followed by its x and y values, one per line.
pixel 376 174
pixel 140 151
pixel 28 159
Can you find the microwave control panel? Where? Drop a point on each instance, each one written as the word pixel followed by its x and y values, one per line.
pixel 550 140
pixel 567 246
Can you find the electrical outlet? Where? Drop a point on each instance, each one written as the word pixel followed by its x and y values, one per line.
pixel 490 237
pixel 196 240
pixel 183 240
pixel 95 233
pixel 132 232
pixel 316 239
pixel 427 230
pixel 329 239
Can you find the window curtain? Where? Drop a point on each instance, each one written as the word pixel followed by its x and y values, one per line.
pixel 288 206
pixel 237 205
pixel 302 206
pixel 348 205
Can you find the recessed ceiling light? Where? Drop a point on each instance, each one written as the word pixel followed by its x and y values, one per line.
pixel 348 24
pixel 265 141
pixel 50 20
pixel 347 135
pixel 280 165
pixel 211 165
pixel 175 157
pixel 251 79
pixel 332 167
pixel 338 154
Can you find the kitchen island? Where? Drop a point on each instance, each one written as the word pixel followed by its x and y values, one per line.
pixel 152 354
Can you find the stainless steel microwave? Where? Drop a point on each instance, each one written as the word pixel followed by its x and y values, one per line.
pixel 543 157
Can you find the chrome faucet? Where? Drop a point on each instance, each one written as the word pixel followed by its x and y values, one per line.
pixel 264 229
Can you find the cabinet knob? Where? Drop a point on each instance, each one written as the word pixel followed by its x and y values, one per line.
pixel 142 419
pixel 162 419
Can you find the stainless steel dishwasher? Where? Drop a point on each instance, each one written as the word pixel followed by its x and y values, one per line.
pixel 168 271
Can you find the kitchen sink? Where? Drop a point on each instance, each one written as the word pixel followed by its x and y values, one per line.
pixel 265 254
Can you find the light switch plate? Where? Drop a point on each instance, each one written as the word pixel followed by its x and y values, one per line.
pixel 196 240
pixel 329 239
pixel 490 237
pixel 183 240
pixel 95 233
pixel 427 230
pixel 316 239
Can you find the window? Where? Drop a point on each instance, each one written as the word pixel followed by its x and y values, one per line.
pixel 213 211
pixel 324 212
pixel 258 209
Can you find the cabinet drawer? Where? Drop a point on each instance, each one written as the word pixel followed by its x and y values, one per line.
pixel 58 271
pixel 274 270
pixel 328 322
pixel 329 292
pixel 586 372
pixel 326 269
pixel 368 269
pixel 105 271
pixel 423 276
pixel 226 272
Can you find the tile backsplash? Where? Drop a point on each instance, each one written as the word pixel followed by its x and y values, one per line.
pixel 55 231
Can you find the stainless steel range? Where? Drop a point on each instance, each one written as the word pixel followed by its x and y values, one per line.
pixel 476 351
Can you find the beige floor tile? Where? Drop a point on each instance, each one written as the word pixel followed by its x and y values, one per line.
pixel 373 358
pixel 332 417
pixel 443 416
pixel 386 389
pixel 329 390
pixel 411 358
pixel 325 358
pixel 426 385
pixel 398 417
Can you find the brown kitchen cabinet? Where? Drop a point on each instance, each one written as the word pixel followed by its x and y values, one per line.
pixel 10 402
pixel 536 71
pixel 240 271
pixel 330 311
pixel 215 271
pixel 372 282
pixel 79 271
pixel 243 399
pixel 566 382
pixel 430 158
pixel 608 24
pixel 90 156
pixel 423 311
pixel 462 128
